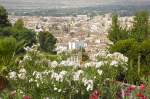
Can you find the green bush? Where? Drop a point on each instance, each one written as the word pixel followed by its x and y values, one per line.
pixel 7 51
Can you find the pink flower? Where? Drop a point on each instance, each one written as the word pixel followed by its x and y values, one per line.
pixel 131 88
pixel 142 87
pixel 26 97
pixel 127 93
pixel 141 96
pixel 95 95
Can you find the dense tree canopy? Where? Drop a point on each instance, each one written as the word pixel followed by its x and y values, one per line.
pixel 140 29
pixel 47 42
pixel 3 17
pixel 117 32
pixel 137 43
pixel 23 34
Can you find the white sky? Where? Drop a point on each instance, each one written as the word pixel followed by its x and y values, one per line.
pixel 65 3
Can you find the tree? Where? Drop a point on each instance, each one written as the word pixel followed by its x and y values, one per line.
pixel 23 34
pixel 19 24
pixel 116 32
pixel 145 52
pixel 5 31
pixel 127 47
pixel 140 29
pixel 47 42
pixel 4 22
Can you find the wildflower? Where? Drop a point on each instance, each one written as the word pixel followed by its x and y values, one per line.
pixel 22 70
pixel 54 64
pixel 100 72
pixel 55 89
pixel 22 74
pixel 26 97
pixel 95 95
pixel 58 77
pixel 88 83
pixel 99 64
pixel 38 75
pixel 63 73
pixel 87 65
pixel 142 87
pixel 127 93
pixel 27 57
pixel 114 63
pixel 77 74
pixel 37 85
pixel 12 75
pixel 131 88
pixel 31 80
pixel 139 95
pixel 59 90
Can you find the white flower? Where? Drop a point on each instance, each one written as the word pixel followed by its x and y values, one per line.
pixel 37 85
pixel 88 83
pixel 22 76
pixel 31 80
pixel 22 70
pixel 63 73
pixel 87 65
pixel 99 64
pixel 77 74
pixel 12 75
pixel 46 98
pixel 114 63
pixel 22 73
pixel 27 57
pixel 27 48
pixel 54 64
pixel 59 90
pixel 109 55
pixel 58 77
pixel 125 59
pixel 80 71
pixel 34 73
pixel 63 63
pixel 55 89
pixel 46 72
pixel 21 91
pixel 37 75
pixel 120 57
pixel 100 72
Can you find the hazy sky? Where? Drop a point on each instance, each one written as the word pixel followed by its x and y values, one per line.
pixel 65 3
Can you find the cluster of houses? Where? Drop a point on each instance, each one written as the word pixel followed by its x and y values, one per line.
pixel 76 32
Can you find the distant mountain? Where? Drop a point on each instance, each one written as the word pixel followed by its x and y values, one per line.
pixel 124 10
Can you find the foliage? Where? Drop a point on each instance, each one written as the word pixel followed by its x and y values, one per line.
pixel 47 42
pixel 23 34
pixel 19 24
pixel 140 30
pixel 117 32
pixel 125 47
pixel 37 75
pixel 5 31
pixel 7 52
pixel 145 52
pixel 4 22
